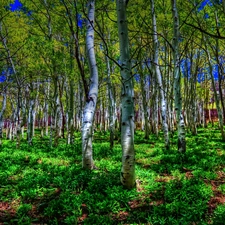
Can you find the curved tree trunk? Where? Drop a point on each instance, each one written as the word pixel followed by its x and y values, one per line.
pixel 89 109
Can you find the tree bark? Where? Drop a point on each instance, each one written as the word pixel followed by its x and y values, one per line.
pixel 91 101
pixel 158 74
pixel 1 115
pixel 111 105
pixel 127 124
pixel 177 84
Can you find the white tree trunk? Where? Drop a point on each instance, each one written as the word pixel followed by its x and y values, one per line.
pixel 156 113
pixel 177 84
pixel 111 104
pixel 30 121
pixel 1 115
pixel 89 109
pixel 159 77
pixel 46 107
pixel 57 118
pixel 70 120
pixel 145 120
pixel 31 116
pixel 127 122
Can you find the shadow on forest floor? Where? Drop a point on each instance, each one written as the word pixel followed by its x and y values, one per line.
pixel 43 185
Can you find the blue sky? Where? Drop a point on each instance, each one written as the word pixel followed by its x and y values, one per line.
pixel 209 3
pixel 2 78
pixel 185 64
pixel 17 5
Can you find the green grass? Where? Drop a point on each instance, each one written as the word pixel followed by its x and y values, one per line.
pixel 43 185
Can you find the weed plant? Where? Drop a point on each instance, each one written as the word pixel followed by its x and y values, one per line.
pixel 44 185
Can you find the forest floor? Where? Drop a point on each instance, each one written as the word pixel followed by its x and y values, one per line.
pixel 43 185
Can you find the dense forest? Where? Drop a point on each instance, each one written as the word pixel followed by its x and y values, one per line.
pixel 112 112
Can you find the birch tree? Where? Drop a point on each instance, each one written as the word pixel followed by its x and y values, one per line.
pixel 127 121
pixel 1 113
pixel 177 84
pixel 18 83
pixel 91 101
pixel 144 103
pixel 112 104
pixel 159 77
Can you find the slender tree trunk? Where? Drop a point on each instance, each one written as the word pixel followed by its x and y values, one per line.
pixel 57 118
pixel 30 122
pixel 127 124
pixel 177 84
pixel 1 115
pixel 156 113
pixel 91 101
pixel 46 107
pixel 111 105
pixel 18 119
pixel 144 105
pixel 159 78
pixel 70 129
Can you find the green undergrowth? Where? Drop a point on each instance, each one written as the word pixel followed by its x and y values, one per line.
pixel 45 185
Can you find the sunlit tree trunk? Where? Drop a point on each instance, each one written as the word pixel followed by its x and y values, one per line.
pixel 46 107
pixel 31 118
pixel 127 123
pixel 91 101
pixel 35 107
pixel 155 113
pixel 24 114
pixel 56 117
pixel 102 115
pixel 144 104
pixel 30 121
pixel 177 84
pixel 7 129
pixel 1 114
pixel 70 129
pixel 159 78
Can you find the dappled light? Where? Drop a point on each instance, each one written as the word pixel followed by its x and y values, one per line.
pixel 112 112
pixel 42 185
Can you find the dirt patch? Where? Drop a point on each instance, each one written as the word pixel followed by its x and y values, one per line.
pixel 84 215
pixel 120 216
pixel 218 197
pixel 7 211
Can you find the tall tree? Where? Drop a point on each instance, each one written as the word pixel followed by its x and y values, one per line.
pixel 91 101
pixel 127 123
pixel 159 77
pixel 177 79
